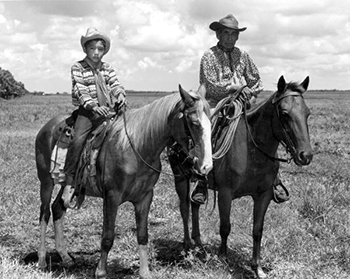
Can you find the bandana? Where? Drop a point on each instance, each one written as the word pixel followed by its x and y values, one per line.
pixel 101 87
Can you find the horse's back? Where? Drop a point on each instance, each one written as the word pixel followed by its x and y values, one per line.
pixel 45 142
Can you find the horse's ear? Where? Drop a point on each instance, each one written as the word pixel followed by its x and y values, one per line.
pixel 281 85
pixel 202 91
pixel 186 97
pixel 305 83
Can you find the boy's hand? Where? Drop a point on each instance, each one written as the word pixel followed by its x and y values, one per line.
pixel 102 110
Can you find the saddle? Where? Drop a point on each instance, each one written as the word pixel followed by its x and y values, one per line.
pixel 86 171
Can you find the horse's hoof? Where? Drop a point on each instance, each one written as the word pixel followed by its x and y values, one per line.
pixel 100 274
pixel 260 273
pixel 42 265
pixel 145 275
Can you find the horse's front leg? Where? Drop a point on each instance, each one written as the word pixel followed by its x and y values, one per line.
pixel 141 214
pixel 224 202
pixel 261 204
pixel 196 235
pixel 58 213
pixel 111 202
pixel 182 190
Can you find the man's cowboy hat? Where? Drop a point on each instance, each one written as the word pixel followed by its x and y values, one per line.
pixel 228 21
pixel 93 34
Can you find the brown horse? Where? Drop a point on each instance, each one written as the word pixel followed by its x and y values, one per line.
pixel 250 166
pixel 128 166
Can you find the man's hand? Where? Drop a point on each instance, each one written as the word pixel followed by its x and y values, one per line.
pixel 232 87
pixel 120 100
pixel 252 100
pixel 247 93
pixel 102 110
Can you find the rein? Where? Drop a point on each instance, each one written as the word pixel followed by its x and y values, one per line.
pixel 289 146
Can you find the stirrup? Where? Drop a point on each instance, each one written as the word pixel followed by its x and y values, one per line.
pixel 278 198
pixel 199 197
pixel 68 197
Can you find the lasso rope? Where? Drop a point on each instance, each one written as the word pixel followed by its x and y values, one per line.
pixel 232 125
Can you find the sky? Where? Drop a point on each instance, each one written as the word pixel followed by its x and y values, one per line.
pixel 157 44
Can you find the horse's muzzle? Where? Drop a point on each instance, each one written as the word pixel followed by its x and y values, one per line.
pixel 203 168
pixel 303 158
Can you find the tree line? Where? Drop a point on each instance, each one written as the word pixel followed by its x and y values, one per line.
pixel 9 87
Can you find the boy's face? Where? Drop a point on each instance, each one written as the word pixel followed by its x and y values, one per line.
pixel 95 50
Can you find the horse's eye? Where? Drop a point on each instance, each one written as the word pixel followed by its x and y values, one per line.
pixel 284 113
pixel 193 119
pixel 196 122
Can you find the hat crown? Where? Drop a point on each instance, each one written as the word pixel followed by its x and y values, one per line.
pixel 91 31
pixel 229 20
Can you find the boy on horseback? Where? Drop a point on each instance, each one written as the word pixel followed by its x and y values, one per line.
pixel 96 91
pixel 224 68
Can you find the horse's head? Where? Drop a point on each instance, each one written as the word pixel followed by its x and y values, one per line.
pixel 191 128
pixel 291 128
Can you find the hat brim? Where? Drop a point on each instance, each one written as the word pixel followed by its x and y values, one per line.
pixel 84 40
pixel 215 26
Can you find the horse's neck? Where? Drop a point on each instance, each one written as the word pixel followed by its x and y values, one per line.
pixel 261 126
pixel 147 130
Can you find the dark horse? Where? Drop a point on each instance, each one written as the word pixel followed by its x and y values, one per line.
pixel 128 166
pixel 250 166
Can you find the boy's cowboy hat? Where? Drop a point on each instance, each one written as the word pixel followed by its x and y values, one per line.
pixel 92 34
pixel 228 21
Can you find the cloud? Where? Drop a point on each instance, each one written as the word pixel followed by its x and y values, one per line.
pixel 152 39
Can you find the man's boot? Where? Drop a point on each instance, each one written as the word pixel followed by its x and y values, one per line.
pixel 280 192
pixel 198 190
pixel 68 194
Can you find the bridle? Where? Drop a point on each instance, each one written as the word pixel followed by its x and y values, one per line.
pixel 287 140
pixel 189 139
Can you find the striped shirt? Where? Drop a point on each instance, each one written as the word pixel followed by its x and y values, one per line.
pixel 218 69
pixel 84 86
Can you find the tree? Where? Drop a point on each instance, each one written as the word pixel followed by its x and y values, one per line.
pixel 9 87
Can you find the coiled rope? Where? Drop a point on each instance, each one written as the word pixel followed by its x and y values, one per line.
pixel 237 106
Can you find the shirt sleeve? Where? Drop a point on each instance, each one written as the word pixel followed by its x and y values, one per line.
pixel 80 87
pixel 112 81
pixel 252 76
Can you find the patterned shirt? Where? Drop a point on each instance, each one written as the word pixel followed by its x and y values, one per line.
pixel 84 86
pixel 218 69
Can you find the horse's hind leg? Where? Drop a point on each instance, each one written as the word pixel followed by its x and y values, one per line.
pixel 141 214
pixel 261 204
pixel 46 189
pixel 58 213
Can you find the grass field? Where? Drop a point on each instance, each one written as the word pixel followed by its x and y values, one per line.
pixel 306 237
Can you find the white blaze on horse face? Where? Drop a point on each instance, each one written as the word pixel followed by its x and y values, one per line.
pixel 207 163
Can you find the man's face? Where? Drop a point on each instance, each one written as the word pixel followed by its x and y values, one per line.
pixel 95 50
pixel 228 37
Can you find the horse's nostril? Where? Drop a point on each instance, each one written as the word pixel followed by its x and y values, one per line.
pixel 305 157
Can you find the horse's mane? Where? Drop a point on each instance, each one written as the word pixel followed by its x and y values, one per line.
pixel 144 124
pixel 293 86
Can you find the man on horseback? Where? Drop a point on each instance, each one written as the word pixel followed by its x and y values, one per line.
pixel 97 92
pixel 224 69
